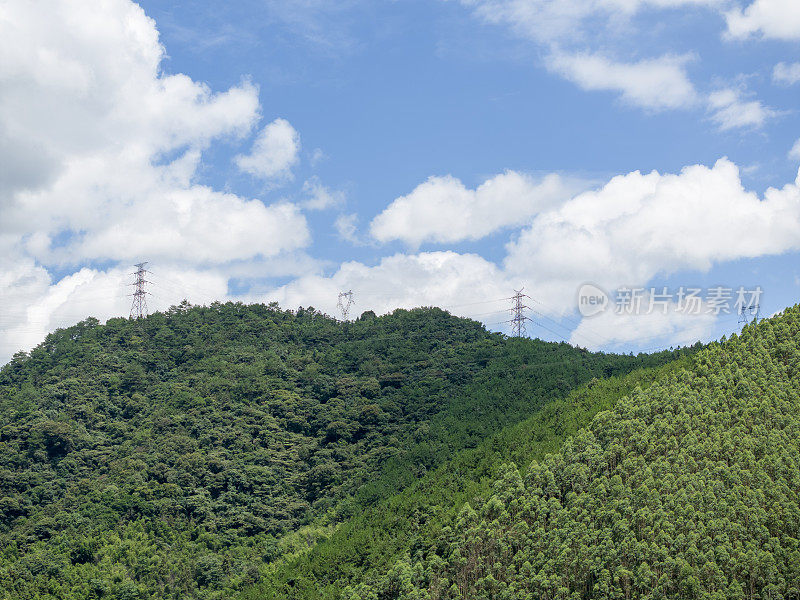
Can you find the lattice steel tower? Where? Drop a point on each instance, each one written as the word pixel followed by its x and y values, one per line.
pixel 139 304
pixel 345 302
pixel 749 314
pixel 518 317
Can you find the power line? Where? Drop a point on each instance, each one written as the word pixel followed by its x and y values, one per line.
pixel 473 316
pixel 598 340
pixel 576 322
pixel 474 303
pixel 139 308
pixel 181 289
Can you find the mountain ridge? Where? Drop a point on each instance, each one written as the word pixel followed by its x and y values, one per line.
pixel 177 454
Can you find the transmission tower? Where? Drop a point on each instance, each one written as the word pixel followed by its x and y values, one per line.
pixel 345 302
pixel 518 316
pixel 139 304
pixel 746 312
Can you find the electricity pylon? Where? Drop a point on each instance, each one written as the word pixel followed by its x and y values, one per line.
pixel 139 304
pixel 518 317
pixel 345 302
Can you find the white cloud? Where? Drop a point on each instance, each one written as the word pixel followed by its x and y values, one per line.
pixel 795 151
pixel 772 19
pixel 629 232
pixel 22 283
pixel 639 226
pixel 193 220
pixel 99 150
pixel 346 226
pixel 648 330
pixel 138 210
pixel 274 153
pixel 401 281
pixel 786 73
pixel 320 197
pixel 443 210
pixel 82 82
pixel 561 27
pixel 34 305
pixel 731 112
pixel 654 84
pixel 566 20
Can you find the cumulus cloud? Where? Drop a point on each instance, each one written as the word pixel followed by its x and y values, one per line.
pixel 632 230
pixel 654 84
pixel 98 153
pixel 274 153
pixel 444 210
pixel 638 226
pixel 786 73
pixel 730 111
pixel 401 281
pixel 99 150
pixel 94 97
pixel 771 19
pixel 192 221
pixel 79 81
pixel 612 329
pixel 34 305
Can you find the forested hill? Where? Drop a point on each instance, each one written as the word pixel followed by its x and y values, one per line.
pixel 177 456
pixel 687 490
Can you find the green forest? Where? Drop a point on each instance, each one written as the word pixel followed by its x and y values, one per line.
pixel 208 451
pixel 400 300
pixel 685 489
pixel 249 452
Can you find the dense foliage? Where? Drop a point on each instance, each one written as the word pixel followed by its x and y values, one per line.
pixel 364 547
pixel 687 489
pixel 175 456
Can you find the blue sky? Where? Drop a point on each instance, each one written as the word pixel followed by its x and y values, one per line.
pixel 419 153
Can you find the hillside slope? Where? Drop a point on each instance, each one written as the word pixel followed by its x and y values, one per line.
pixel 175 456
pixel 688 489
pixel 363 548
